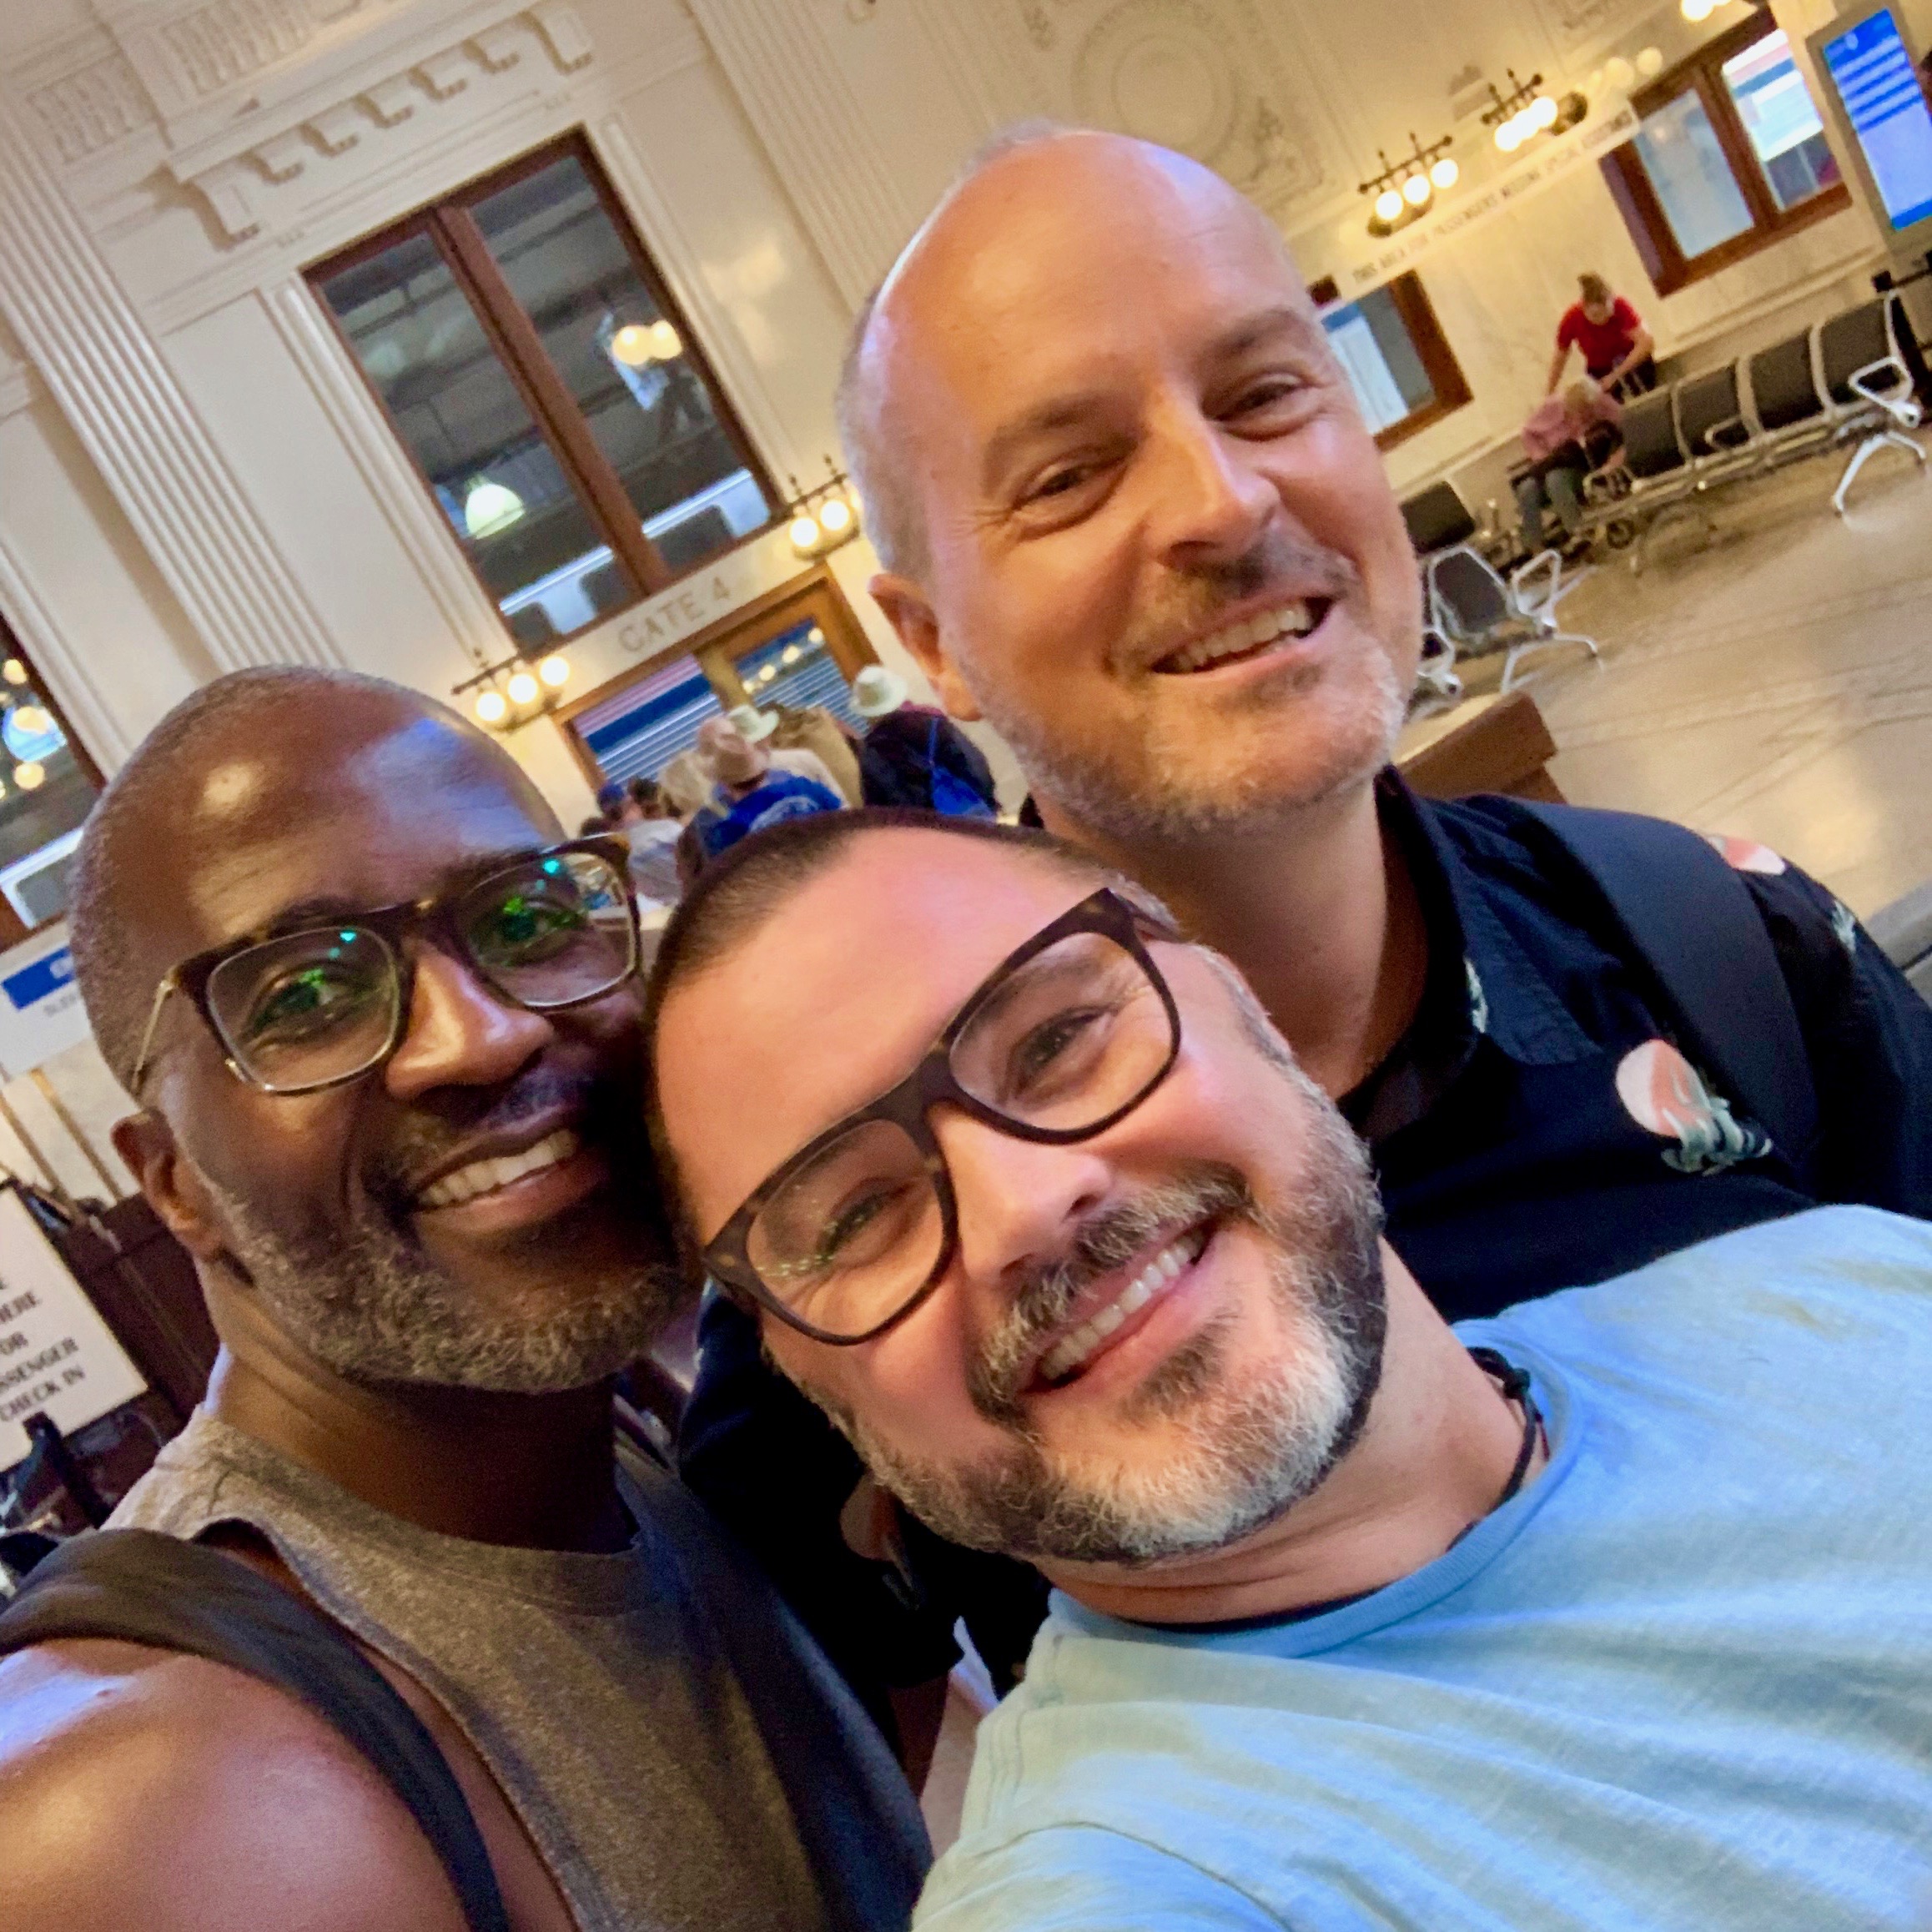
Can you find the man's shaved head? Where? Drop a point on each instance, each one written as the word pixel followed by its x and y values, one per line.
pixel 1023 170
pixel 201 769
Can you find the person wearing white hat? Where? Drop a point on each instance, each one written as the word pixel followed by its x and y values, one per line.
pixel 915 755
pixel 754 787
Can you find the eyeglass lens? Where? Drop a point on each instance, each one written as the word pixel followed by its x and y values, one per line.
pixel 1077 1035
pixel 307 1008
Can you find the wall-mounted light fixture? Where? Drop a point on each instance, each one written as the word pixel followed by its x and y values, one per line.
pixel 510 693
pixel 1405 188
pixel 820 520
pixel 1527 111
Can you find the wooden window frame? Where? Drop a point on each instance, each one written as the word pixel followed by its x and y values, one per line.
pixel 814 595
pixel 1637 199
pixel 1416 314
pixel 14 930
pixel 452 230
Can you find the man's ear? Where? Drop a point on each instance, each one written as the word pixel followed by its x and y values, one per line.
pixel 909 614
pixel 174 1191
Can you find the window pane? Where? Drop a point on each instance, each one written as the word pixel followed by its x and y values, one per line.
pixel 532 540
pixel 643 397
pixel 1776 107
pixel 44 794
pixel 639 731
pixel 1371 342
pixel 1681 153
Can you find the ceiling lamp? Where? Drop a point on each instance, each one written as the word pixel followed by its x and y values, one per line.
pixel 32 720
pixel 1618 72
pixel 1417 191
pixel 804 533
pixel 1445 173
pixel 1698 11
pixel 1543 112
pixel 1650 62
pixel 492 707
pixel 28 776
pixel 835 517
pixel 523 688
pixel 554 671
pixel 1526 111
pixel 632 344
pixel 1389 205
pixel 490 508
pixel 665 344
pixel 1509 136
pixel 13 671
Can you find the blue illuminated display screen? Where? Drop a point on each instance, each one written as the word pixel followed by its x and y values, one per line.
pixel 1873 72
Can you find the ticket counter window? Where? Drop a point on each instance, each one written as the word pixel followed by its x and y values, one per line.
pixel 47 786
pixel 531 360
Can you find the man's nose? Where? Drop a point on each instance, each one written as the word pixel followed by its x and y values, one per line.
pixel 460 1033
pixel 1211 501
pixel 1019 1201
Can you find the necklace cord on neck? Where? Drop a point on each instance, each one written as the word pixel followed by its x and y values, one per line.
pixel 1515 1384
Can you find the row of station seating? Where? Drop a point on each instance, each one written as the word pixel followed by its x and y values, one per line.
pixel 1855 379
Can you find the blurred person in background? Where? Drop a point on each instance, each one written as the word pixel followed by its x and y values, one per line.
pixel 1560 438
pixel 753 786
pixel 916 755
pixel 1617 349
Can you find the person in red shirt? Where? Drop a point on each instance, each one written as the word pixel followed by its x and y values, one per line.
pixel 1610 333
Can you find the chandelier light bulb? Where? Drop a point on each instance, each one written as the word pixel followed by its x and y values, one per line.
pixel 1416 190
pixel 490 507
pixel 1618 72
pixel 28 776
pixel 1509 136
pixel 665 344
pixel 1695 11
pixel 1650 62
pixel 555 671
pixel 13 671
pixel 32 719
pixel 835 517
pixel 522 688
pixel 804 533
pixel 491 708
pixel 1388 205
pixel 1445 173
pixel 1542 111
pixel 632 345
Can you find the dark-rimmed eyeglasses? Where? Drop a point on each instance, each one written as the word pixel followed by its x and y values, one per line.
pixel 1063 1039
pixel 299 1010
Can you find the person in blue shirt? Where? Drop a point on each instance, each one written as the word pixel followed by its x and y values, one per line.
pixel 1129 514
pixel 752 789
pixel 1610 1613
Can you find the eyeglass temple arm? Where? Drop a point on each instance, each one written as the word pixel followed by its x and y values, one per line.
pixel 168 984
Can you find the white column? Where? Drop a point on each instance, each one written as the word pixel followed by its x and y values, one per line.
pixel 815 129
pixel 140 428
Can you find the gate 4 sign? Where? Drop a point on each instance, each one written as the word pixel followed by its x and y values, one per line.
pixel 55 1353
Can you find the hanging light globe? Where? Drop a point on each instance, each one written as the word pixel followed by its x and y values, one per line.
pixel 491 707
pixel 1542 111
pixel 490 507
pixel 1417 192
pixel 523 688
pixel 1445 173
pixel 632 345
pixel 30 775
pixel 13 671
pixel 665 344
pixel 1389 206
pixel 804 533
pixel 555 671
pixel 835 517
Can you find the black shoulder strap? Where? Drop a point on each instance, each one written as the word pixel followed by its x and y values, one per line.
pixel 1693 922
pixel 144 1587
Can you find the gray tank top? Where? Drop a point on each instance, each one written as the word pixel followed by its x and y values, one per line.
pixel 679 1751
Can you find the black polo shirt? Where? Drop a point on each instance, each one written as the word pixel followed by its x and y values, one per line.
pixel 1538 1127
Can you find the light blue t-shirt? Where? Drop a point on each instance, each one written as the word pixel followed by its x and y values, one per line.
pixel 1682 1683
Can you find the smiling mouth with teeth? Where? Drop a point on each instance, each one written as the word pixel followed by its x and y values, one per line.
pixel 486 1177
pixel 1063 1361
pixel 1233 642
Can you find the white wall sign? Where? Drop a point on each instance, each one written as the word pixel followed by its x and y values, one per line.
pixel 55 1353
pixel 41 1013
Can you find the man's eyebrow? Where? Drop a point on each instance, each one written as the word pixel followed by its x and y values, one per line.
pixel 333 909
pixel 1285 319
pixel 1062 412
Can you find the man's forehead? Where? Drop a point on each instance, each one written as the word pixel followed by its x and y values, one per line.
pixel 364 818
pixel 853 975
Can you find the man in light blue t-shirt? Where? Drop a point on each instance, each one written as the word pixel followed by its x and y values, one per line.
pixel 1613 1612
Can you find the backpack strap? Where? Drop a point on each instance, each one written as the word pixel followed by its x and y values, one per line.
pixel 1692 922
pixel 141 1586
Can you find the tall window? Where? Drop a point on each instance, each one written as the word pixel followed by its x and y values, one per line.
pixel 534 365
pixel 1398 362
pixel 47 786
pixel 1730 156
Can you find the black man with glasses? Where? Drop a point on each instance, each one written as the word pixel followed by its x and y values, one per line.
pixel 381 1020
pixel 1611 1612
